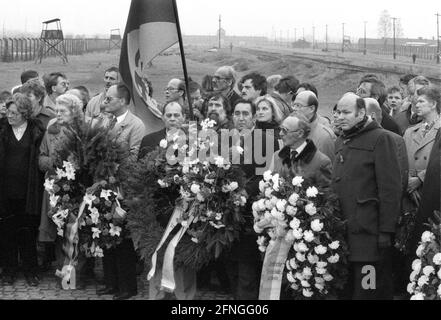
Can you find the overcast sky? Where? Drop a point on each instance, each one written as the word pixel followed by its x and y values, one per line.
pixel 240 17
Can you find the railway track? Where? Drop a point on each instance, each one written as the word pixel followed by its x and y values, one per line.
pixel 329 61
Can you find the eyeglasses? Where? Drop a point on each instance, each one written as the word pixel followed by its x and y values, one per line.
pixel 171 89
pixel 217 78
pixel 12 114
pixel 299 106
pixel 109 99
pixel 286 131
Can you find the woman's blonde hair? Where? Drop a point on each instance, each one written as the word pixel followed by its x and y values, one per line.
pixel 277 114
pixel 74 104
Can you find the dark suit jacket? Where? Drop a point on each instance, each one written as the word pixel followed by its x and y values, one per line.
pixel 367 180
pixel 389 123
pixel 150 142
pixel 310 164
pixel 404 121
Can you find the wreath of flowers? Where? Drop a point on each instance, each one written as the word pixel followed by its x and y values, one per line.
pixel 425 279
pixel 65 195
pixel 213 192
pixel 93 154
pixel 309 218
pixel 102 225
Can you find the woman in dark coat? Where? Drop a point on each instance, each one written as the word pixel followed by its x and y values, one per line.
pixel 21 188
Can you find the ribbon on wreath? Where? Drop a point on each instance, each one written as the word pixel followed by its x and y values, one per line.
pixel 272 270
pixel 168 280
pixel 70 248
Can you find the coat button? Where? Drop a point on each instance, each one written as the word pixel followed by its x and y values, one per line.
pixel 425 158
pixel 416 158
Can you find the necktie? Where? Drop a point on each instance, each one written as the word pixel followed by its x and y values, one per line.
pixel 294 155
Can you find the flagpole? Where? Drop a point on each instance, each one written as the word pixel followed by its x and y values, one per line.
pixel 184 64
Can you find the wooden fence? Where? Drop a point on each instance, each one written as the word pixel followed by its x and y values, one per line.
pixel 26 49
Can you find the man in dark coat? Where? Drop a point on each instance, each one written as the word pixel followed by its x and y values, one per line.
pixel 244 264
pixel 173 117
pixel 367 179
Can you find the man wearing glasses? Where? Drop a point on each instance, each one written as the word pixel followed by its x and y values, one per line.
pixel 56 84
pixel 224 80
pixel 300 156
pixel 175 92
pixel 306 103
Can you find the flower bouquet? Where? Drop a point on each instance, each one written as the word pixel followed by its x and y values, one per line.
pixel 65 195
pixel 425 279
pixel 302 236
pixel 102 226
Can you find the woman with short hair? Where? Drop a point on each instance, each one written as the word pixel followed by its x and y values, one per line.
pixel 69 112
pixel 21 188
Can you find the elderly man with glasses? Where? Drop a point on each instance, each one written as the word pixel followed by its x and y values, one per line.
pixel 306 103
pixel 300 156
pixel 224 80
pixel 175 92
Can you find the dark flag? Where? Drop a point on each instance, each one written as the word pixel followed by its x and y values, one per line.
pixel 152 27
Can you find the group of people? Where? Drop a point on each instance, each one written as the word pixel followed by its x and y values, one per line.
pixel 378 151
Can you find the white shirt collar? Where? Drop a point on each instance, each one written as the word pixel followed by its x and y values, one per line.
pixel 122 117
pixel 301 148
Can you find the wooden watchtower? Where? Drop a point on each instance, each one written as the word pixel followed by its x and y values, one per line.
pixel 52 41
pixel 115 39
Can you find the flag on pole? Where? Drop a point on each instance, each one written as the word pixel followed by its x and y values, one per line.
pixel 152 27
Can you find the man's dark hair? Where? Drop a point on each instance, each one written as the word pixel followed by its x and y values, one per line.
pixel 433 94
pixel 27 75
pixel 85 95
pixel 406 78
pixel 193 86
pixel 309 87
pixel 5 96
pixel 52 80
pixel 368 76
pixel 378 90
pixel 124 92
pixel 35 88
pixel 253 106
pixel 259 82
pixel 225 102
pixel 287 84
pixel 313 101
pixel 395 89
pixel 207 84
pixel 360 104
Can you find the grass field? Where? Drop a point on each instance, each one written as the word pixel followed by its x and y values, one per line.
pixel 88 70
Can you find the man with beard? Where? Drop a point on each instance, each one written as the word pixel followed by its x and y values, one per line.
pixel 224 80
pixel 218 109
pixel 367 180
pixel 95 105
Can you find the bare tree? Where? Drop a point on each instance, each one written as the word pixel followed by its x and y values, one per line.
pixel 399 32
pixel 384 25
